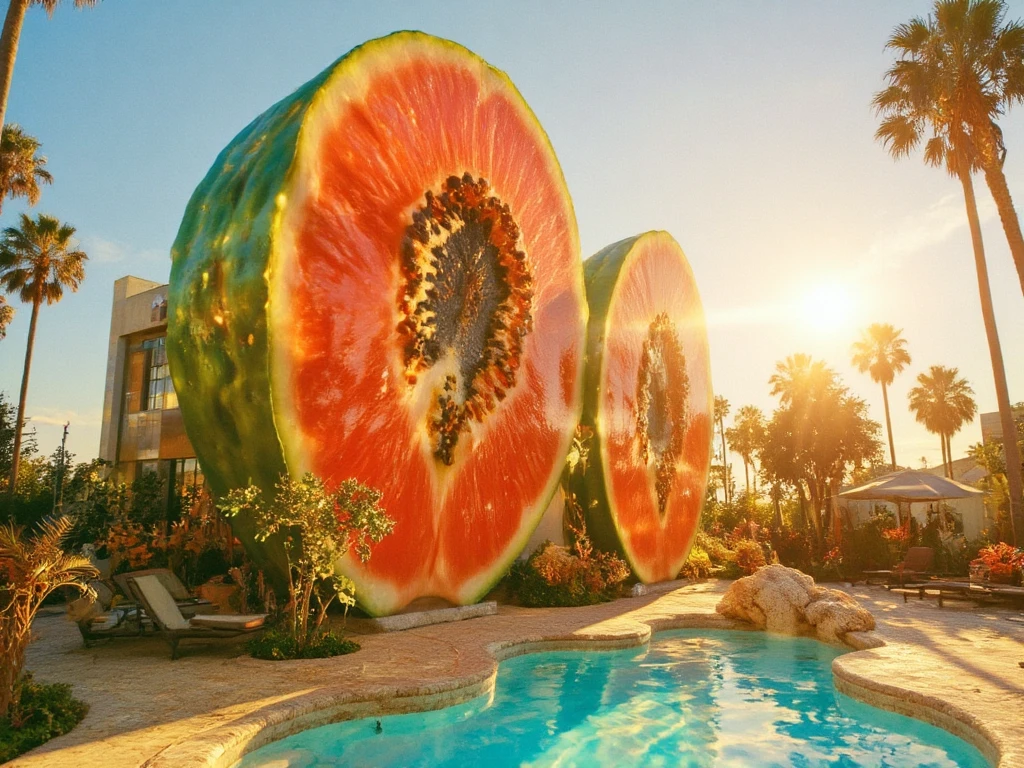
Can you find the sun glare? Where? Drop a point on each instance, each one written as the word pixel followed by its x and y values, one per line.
pixel 827 306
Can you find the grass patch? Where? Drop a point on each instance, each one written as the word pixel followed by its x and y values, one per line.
pixel 279 645
pixel 44 712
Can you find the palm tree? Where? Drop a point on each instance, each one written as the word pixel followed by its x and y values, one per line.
pixel 21 169
pixel 797 376
pixel 934 87
pixel 745 437
pixel 943 403
pixel 6 315
pixel 38 261
pixel 882 352
pixel 12 33
pixel 965 62
pixel 721 411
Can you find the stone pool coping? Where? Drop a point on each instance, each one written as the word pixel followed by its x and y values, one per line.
pixel 919 661
pixel 224 746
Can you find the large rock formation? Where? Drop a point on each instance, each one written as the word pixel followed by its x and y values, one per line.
pixel 787 601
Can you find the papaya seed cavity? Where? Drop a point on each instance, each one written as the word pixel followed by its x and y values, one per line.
pixel 465 303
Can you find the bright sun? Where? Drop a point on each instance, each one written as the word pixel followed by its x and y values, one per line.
pixel 827 306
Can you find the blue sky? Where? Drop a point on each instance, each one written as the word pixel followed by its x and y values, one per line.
pixel 744 129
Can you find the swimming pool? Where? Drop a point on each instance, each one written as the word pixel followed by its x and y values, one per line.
pixel 692 698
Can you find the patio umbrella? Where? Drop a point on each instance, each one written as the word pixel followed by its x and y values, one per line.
pixel 910 486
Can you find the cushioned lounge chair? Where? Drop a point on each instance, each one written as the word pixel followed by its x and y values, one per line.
pixel 172 626
pixel 105 618
pixel 188 605
pixel 916 564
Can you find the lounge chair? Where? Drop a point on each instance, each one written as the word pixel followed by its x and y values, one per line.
pixel 188 605
pixel 159 605
pixel 104 618
pixel 916 564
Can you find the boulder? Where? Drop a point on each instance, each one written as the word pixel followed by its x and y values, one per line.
pixel 787 601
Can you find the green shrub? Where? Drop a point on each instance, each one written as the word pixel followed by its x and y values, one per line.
pixel 717 550
pixel 44 712
pixel 281 645
pixel 697 565
pixel 556 576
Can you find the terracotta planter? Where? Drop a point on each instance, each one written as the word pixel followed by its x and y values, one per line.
pixel 220 595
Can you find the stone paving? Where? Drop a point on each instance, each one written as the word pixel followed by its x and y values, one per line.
pixel 958 666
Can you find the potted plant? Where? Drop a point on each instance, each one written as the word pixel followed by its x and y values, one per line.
pixel 1003 561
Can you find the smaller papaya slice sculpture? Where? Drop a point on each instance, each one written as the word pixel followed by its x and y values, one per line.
pixel 380 278
pixel 647 396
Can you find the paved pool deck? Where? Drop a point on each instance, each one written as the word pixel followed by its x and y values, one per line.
pixel 958 667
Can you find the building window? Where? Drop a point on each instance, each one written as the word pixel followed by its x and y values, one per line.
pixel 158 310
pixel 188 475
pixel 158 389
pixel 146 468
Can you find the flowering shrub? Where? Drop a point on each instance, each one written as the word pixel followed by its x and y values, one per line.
pixel 697 565
pixel 749 556
pixel 556 576
pixel 1001 554
pixel 574 575
pixel 1003 561
pixel 199 536
pixel 793 548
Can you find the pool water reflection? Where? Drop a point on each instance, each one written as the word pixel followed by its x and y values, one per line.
pixel 692 698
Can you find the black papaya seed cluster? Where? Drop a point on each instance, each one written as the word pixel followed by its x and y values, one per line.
pixel 662 389
pixel 466 304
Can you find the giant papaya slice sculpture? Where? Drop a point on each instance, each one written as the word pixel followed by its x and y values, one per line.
pixel 648 399
pixel 380 278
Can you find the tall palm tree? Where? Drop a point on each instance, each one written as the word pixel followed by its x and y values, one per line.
pixel 745 437
pixel 6 315
pixel 797 376
pixel 882 352
pixel 21 169
pixel 12 33
pixel 943 401
pixel 38 261
pixel 972 64
pixel 721 411
pixel 932 90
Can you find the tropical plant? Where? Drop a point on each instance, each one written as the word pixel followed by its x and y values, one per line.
pixel 30 571
pixel 577 574
pixel 12 33
pixel 797 376
pixel 328 523
pixel 818 435
pixel 720 412
pixel 882 352
pixel 564 576
pixel 6 315
pixel 955 73
pixel 745 438
pixel 21 169
pixel 963 68
pixel 749 556
pixel 943 401
pixel 38 261
pixel 43 713
pixel 697 566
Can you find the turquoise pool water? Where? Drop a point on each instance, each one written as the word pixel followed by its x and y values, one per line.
pixel 693 698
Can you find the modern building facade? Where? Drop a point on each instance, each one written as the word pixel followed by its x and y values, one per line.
pixel 992 427
pixel 142 431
